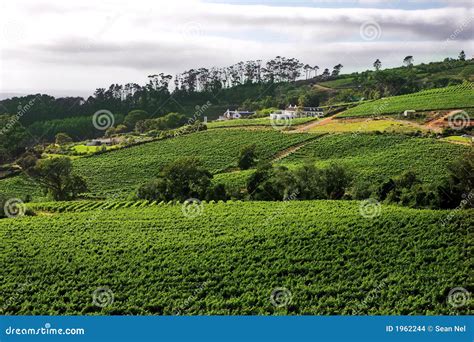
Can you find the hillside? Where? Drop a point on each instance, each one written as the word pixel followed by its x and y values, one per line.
pixel 118 173
pixel 454 97
pixel 371 158
pixel 155 260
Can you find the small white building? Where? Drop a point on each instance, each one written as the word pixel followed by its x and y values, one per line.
pixel 234 114
pixel 293 112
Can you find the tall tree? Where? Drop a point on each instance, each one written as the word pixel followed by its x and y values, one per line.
pixel 408 61
pixel 377 64
pixel 315 68
pixel 462 56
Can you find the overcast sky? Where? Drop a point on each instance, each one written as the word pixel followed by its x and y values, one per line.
pixel 64 47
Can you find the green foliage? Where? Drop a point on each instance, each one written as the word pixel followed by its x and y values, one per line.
pixel 460 96
pixel 62 139
pixel 56 178
pixel 408 190
pixel 377 157
pixel 217 149
pixel 458 189
pixel 269 183
pixel 180 180
pixel 153 259
pixel 247 157
pixel 133 117
pixel 78 128
pixel 13 138
pixel 169 121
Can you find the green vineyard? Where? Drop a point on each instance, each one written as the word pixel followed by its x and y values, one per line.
pixel 157 260
pixel 119 172
pixel 453 97
pixel 377 157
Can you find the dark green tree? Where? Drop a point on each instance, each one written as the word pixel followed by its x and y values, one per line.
pixel 182 179
pixel 247 157
pixel 377 64
pixel 133 117
pixel 62 138
pixel 56 178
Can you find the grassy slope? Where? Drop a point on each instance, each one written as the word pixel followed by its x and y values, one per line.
pixel 121 171
pixel 376 157
pixel 154 259
pixel 435 99
pixel 371 157
pixel 384 125
pixel 256 122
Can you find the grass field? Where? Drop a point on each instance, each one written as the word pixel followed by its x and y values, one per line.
pixel 342 82
pixel 91 149
pixel 382 125
pixel 228 260
pixel 460 96
pixel 459 139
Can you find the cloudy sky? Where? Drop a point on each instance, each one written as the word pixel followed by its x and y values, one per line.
pixel 65 47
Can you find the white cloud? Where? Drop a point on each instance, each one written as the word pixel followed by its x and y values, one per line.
pixel 94 43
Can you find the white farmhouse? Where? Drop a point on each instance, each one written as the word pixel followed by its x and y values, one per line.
pixel 234 114
pixel 292 112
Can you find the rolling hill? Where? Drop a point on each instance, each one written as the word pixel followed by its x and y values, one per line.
pixel 325 255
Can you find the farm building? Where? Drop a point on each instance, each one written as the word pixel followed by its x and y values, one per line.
pixel 234 114
pixel 292 112
pixel 103 141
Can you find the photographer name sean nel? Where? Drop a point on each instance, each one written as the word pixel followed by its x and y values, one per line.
pixel 423 328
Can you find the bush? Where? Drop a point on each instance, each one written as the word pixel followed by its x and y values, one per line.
pixel 183 179
pixel 247 157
